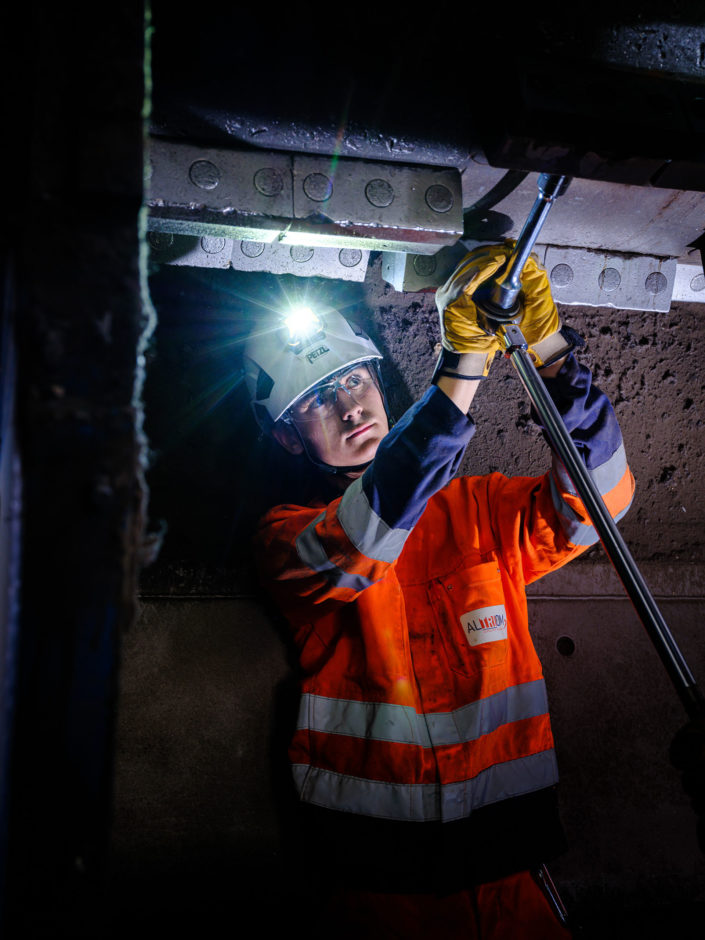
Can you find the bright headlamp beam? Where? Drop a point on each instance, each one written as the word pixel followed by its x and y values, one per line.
pixel 301 322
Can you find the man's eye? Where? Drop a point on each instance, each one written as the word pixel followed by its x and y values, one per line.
pixel 322 397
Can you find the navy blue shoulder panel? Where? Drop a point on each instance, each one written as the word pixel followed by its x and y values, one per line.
pixel 586 412
pixel 421 453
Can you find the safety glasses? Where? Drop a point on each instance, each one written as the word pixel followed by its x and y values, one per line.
pixel 321 401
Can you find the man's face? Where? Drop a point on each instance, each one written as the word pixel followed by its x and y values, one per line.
pixel 343 420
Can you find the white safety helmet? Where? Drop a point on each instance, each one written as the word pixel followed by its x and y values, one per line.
pixel 286 357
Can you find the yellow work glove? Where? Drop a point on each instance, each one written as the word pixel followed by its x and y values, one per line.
pixel 540 322
pixel 462 333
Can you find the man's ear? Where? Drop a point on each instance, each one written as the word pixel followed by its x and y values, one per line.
pixel 288 437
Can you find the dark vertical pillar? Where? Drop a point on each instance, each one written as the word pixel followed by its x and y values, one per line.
pixel 10 548
pixel 81 322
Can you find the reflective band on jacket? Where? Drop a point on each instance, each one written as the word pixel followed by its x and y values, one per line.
pixel 366 530
pixel 577 532
pixel 312 553
pixel 401 724
pixel 426 802
pixel 605 477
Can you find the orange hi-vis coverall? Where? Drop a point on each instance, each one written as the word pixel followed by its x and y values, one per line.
pixel 423 699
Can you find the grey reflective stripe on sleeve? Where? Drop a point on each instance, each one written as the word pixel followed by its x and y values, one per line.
pixel 426 802
pixel 369 533
pixel 312 553
pixel 577 532
pixel 401 724
pixel 605 477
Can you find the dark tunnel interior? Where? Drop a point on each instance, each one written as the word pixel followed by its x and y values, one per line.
pixel 148 686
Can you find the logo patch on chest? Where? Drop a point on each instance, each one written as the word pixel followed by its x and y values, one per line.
pixel 485 625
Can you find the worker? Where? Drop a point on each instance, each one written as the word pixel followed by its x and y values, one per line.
pixel 423 754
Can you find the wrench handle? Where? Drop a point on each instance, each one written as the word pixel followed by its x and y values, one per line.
pixel 605 526
pixel 499 298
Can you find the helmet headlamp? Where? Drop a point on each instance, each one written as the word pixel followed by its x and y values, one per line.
pixel 295 350
pixel 303 325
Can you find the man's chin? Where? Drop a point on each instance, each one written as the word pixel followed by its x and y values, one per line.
pixel 365 452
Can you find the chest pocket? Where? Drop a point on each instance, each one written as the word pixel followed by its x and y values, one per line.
pixel 471 618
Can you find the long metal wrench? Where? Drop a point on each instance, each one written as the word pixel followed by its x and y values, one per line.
pixel 501 306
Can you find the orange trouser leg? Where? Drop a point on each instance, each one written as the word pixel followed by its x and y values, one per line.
pixel 515 908
pixel 512 908
pixel 366 915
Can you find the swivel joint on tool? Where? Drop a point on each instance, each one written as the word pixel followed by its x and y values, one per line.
pixel 499 299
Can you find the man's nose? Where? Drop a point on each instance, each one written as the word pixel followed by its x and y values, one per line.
pixel 345 403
